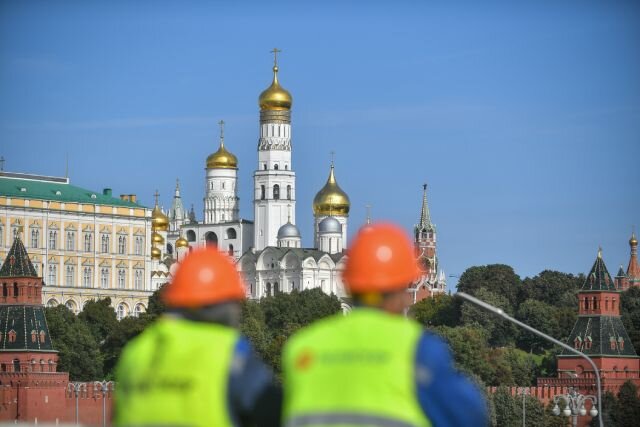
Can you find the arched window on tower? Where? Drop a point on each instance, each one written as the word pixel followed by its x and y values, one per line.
pixel 262 191
pixel 288 192
pixel 276 192
pixel 275 166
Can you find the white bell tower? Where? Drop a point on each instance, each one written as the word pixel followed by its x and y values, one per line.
pixel 274 179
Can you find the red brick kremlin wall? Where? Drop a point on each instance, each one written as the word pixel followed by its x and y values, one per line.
pixel 46 398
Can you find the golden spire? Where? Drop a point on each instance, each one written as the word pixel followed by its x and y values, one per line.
pixel 600 252
pixel 275 97
pixel 222 159
pixel 633 241
pixel 159 221
pixel 331 200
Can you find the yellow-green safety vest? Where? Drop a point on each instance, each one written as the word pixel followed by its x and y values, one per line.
pixel 355 370
pixel 176 373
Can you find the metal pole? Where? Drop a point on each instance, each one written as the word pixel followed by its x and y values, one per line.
pixel 524 412
pixel 505 316
pixel 76 389
pixel 104 406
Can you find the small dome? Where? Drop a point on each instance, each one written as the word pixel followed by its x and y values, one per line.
pixel 288 231
pixel 330 225
pixel 155 253
pixel 182 243
pixel 159 221
pixel 157 238
pixel 275 97
pixel 633 241
pixel 331 200
pixel 222 159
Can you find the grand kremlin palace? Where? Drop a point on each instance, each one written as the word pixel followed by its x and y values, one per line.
pixel 86 245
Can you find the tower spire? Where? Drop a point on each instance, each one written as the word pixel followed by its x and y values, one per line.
pixel 424 222
pixel 368 207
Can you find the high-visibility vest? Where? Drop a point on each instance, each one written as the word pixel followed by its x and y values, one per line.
pixel 176 373
pixel 355 370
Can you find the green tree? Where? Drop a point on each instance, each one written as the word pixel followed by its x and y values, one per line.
pixel 630 311
pixel 540 316
pixel 553 288
pixel 470 350
pixel 500 331
pixel 497 278
pixel 441 310
pixel 126 329
pixel 156 307
pixel 628 408
pixel 78 350
pixel 506 408
pixel 100 317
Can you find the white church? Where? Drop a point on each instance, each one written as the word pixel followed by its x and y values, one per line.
pixel 268 249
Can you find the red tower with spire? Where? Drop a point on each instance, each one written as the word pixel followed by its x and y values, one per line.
pixel 600 334
pixel 30 386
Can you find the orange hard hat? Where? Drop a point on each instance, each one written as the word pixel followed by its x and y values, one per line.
pixel 380 259
pixel 205 276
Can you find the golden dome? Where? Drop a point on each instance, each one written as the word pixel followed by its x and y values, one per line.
pixel 331 200
pixel 155 253
pixel 275 97
pixel 159 221
pixel 157 238
pixel 182 243
pixel 222 159
pixel 633 241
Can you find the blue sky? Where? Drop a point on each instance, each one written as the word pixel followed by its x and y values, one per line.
pixel 524 119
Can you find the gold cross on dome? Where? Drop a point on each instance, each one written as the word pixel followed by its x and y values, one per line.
pixel 275 52
pixel 221 123
pixel 333 155
pixel 156 195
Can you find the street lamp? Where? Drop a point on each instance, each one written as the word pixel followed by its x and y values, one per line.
pixel 574 402
pixel 75 387
pixel 104 387
pixel 505 316
pixel 524 391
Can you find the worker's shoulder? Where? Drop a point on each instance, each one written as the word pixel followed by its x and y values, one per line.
pixel 326 325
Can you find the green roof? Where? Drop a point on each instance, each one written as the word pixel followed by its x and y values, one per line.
pixel 17 262
pixel 598 278
pixel 55 189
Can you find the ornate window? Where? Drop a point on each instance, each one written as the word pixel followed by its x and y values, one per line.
pixel 121 311
pixel 88 242
pixel 137 279
pixel 262 192
pixel 288 192
pixel 122 245
pixel 70 276
pixel 104 243
pixel 276 192
pixel 104 278
pixel 86 277
pixel 275 166
pixel 53 274
pixel 35 238
pixel 53 239
pixel 139 310
pixel 121 278
pixel 71 240
pixel 138 246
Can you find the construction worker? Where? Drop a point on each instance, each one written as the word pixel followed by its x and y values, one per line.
pixel 191 367
pixel 374 367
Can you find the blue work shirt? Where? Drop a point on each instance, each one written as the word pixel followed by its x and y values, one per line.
pixel 447 397
pixel 253 397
